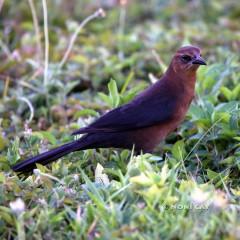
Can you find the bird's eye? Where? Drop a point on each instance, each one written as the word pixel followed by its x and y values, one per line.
pixel 186 58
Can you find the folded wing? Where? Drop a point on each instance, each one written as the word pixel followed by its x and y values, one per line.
pixel 137 114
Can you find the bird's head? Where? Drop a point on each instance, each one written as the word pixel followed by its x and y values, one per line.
pixel 187 60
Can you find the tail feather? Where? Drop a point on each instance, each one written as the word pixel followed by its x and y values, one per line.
pixel 44 158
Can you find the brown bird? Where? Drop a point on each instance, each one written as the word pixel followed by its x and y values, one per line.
pixel 143 122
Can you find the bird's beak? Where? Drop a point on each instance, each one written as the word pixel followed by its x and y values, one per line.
pixel 199 61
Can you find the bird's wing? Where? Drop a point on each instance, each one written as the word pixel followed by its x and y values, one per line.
pixel 137 114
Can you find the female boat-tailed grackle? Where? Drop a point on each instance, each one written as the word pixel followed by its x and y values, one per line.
pixel 141 123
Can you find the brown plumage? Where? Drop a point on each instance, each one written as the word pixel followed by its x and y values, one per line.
pixel 143 122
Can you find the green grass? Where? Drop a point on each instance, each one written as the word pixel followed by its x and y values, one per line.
pixel 191 193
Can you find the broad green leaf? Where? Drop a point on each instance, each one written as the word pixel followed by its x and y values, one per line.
pixel 2 177
pixel 105 98
pixel 178 150
pixel 113 92
pixel 212 175
pixel 126 83
pixel 142 180
pixel 3 142
pixel 196 112
pixel 220 116
pixel 226 92
pixel 85 112
pixel 45 135
pixel 236 93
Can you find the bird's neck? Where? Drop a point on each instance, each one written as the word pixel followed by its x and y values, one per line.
pixel 182 80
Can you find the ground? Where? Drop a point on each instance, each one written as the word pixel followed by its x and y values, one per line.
pixel 52 84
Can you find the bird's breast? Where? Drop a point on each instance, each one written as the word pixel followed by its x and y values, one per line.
pixel 183 102
pixel 147 139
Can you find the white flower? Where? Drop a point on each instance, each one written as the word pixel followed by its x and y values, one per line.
pixel 79 214
pixel 198 196
pixel 18 206
pixel 27 130
pixel 42 201
pixel 76 177
pixel 100 177
pixel 37 172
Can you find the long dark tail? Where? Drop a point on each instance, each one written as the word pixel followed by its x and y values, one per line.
pixel 44 158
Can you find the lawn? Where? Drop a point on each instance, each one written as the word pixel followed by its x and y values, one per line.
pixel 65 63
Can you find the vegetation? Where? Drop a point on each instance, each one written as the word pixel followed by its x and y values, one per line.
pixel 58 73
